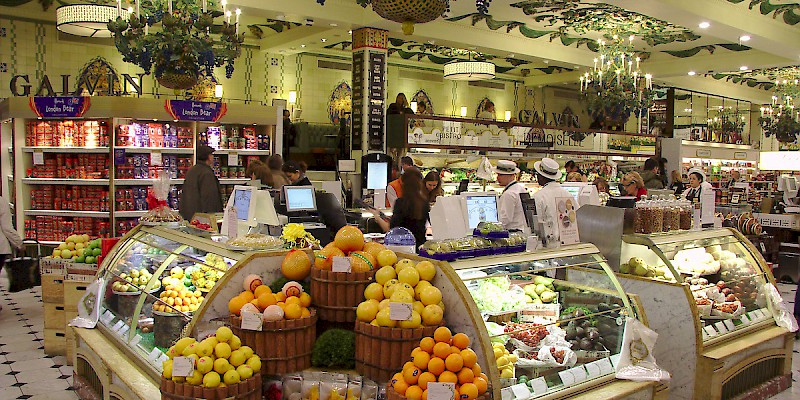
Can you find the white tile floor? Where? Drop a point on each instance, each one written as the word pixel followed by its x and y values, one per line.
pixel 27 373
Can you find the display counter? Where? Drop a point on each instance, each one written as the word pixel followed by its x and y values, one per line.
pixel 705 294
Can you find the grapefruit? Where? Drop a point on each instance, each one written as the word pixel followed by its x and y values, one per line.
pixel 348 239
pixel 386 258
pixel 296 265
pixel 362 261
pixel 323 259
pixel 373 248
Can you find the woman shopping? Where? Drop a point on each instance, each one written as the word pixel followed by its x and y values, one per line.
pixel 632 184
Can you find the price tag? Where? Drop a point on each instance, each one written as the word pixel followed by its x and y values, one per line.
pixel 567 378
pixel 705 336
pixel 605 366
pixel 721 327
pixel 251 321
pixel 444 391
pixel 341 264
pixel 735 198
pixel 505 393
pixel 540 313
pixel 710 331
pixel 593 369
pixel 745 320
pixel 615 359
pixel 521 391
pixel 135 340
pixel 155 355
pixel 578 374
pixel 729 324
pixel 233 159
pixel 539 386
pixel 763 248
pixel 155 158
pixel 758 314
pixel 123 330
pixel 163 357
pixel 117 326
pixel 38 158
pixel 532 244
pixel 400 312
pixel 182 366
pixel 233 223
pixel 108 316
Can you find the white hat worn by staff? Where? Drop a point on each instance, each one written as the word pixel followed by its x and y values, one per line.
pixel 547 174
pixel 509 206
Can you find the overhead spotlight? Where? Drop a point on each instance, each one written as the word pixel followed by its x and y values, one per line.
pixel 350 32
pixel 692 73
pixel 704 25
pixel 323 40
pixel 334 24
pixel 744 38
pixel 302 45
pixel 743 68
pixel 309 22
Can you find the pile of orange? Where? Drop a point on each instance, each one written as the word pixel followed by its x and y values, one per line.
pixel 349 242
pixel 443 358
pixel 292 302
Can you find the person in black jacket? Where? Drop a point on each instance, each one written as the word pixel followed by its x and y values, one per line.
pixel 411 210
pixel 296 173
pixel 200 192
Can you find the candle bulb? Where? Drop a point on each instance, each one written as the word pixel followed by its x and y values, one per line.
pixel 205 5
pixel 119 8
pixel 137 9
pixel 227 17
pixel 238 12
pixel 169 6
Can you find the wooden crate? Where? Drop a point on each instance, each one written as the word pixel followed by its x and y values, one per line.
pixel 54 317
pixel 73 292
pixel 70 344
pixel 53 289
pixel 55 342
pixel 284 346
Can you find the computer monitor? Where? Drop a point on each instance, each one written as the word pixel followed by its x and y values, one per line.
pixel 377 175
pixel 480 207
pixel 300 198
pixel 574 188
pixel 347 165
pixel 243 200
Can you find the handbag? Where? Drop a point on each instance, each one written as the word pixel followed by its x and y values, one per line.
pixel 23 267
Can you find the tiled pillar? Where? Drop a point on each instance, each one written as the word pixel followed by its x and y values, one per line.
pixel 369 89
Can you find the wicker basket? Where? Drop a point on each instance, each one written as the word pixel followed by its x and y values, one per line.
pixel 337 294
pixel 380 351
pixel 418 11
pixel 391 394
pixel 246 390
pixel 284 346
pixel 177 81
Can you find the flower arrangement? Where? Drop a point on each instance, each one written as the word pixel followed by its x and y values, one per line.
pixel 296 237
pixel 782 125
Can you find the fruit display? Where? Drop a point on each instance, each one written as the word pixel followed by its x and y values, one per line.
pixel 161 215
pixel 637 266
pixel 744 283
pixel 219 360
pixel 296 237
pixel 135 281
pixel 201 225
pixel 491 230
pixel 442 358
pixel 472 246
pixel 326 387
pixel 528 334
pixel 504 360
pixel 403 282
pixel 177 298
pixel 581 333
pixel 296 265
pixel 204 276
pixel 541 290
pixel 290 303
pixel 497 295
pixel 79 249
pixel 255 241
pixel 696 262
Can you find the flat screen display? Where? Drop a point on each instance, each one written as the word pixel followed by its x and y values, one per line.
pixel 481 209
pixel 241 201
pixel 300 198
pixel 573 190
pixel 377 175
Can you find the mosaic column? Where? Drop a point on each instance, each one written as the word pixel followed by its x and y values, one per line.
pixel 369 89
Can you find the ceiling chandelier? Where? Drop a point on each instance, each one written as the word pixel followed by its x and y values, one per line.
pixel 186 44
pixel 89 20
pixel 616 87
pixel 781 118
pixel 469 70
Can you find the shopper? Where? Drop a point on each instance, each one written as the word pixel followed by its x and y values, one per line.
pixel 603 190
pixel 650 174
pixel 250 172
pixel 571 166
pixel 289 133
pixel 633 185
pixel 677 185
pixel 488 111
pixel 275 164
pixel 662 171
pixel 400 106
pixel 509 206
pixel 574 177
pixel 395 188
pixel 432 186
pixel 296 173
pixel 546 200
pixel 10 236
pixel 201 191
pixel 702 192
pixel 736 176
pixel 411 210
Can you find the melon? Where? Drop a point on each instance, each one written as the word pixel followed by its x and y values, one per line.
pixel 361 261
pixel 252 282
pixel 349 239
pixel 323 259
pixel 296 265
pixel 373 248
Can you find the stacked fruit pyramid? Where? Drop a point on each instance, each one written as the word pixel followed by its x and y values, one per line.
pixel 443 358
pixel 221 368
pixel 290 303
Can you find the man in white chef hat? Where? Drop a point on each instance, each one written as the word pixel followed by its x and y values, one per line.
pixel 509 206
pixel 546 199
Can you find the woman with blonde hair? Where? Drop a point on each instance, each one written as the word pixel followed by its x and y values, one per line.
pixel 574 177
pixel 632 184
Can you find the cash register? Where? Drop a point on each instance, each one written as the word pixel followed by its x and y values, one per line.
pixel 299 205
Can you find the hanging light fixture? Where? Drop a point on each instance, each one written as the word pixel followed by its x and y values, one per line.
pixel 89 20
pixel 469 70
pixel 781 118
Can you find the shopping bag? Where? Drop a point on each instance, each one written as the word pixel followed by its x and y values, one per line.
pixel 23 267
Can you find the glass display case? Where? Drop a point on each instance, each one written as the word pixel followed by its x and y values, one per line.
pixel 155 284
pixel 556 336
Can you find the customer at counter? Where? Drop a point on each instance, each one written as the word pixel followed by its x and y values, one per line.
pixel 571 166
pixel 395 188
pixel 509 206
pixel 275 164
pixel 400 105
pixel 432 186
pixel 488 111
pixel 633 185
pixel 677 185
pixel 200 192
pixel 259 173
pixel 701 192
pixel 296 173
pixel 650 175
pixel 411 210
pixel 546 199
pixel 603 190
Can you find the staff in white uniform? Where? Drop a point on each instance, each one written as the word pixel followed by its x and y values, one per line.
pixel 509 207
pixel 702 192
pixel 548 174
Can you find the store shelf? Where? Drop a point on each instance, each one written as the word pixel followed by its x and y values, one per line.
pixel 68 213
pixel 65 181
pixel 50 242
pixel 129 214
pixel 243 152
pixel 82 150
pixel 165 150
pixel 143 182
pixel 233 181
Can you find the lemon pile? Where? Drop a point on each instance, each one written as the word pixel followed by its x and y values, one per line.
pixel 203 276
pixel 402 282
pixel 219 360
pixel 176 298
pixel 505 360
pixel 289 303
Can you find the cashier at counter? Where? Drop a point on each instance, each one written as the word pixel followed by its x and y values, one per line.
pixel 509 207
pixel 702 193
pixel 546 199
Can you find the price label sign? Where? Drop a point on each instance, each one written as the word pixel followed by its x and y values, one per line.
pixel 721 327
pixel 342 264
pixel 566 378
pixel 745 320
pixel 155 158
pixel 729 324
pixel 505 393
pixel 251 321
pixel 735 198
pixel 521 391
pixel 605 366
pixel 182 366
pixel 593 370
pixel 578 374
pixel 38 158
pixel 710 331
pixel 117 326
pixel 108 316
pixel 444 391
pixel 123 330
pixel 540 313
pixel 615 359
pixel 233 159
pixel 400 312
pixel 135 340
pixel 539 386
pixel 155 355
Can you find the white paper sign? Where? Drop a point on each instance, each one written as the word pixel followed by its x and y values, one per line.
pixel 342 264
pixel 605 366
pixel 745 320
pixel 38 158
pixel 710 331
pixel 505 393
pixel 539 386
pixel 729 324
pixel 578 374
pixel 400 312
pixel 532 244
pixel 117 326
pixel 182 366
pixel 123 330
pixel 567 378
pixel 542 314
pixel 233 159
pixel 233 223
pixel 721 327
pixel 135 340
pixel 155 158
pixel 521 391
pixel 108 316
pixel 615 359
pixel 251 321
pixel 155 355
pixel 593 370
pixel 442 391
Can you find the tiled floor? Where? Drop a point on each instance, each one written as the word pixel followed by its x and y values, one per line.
pixel 27 373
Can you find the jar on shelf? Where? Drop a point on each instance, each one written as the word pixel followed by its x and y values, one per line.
pixel 685 215
pixel 638 217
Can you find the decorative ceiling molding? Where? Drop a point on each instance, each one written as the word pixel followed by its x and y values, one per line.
pixel 275 25
pixel 710 48
pixel 789 12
